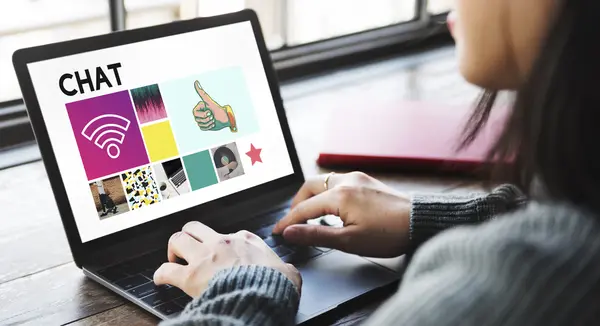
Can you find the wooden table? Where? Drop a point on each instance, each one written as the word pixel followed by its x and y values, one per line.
pixel 40 285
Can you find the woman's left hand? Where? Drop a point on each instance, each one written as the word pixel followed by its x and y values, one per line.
pixel 207 252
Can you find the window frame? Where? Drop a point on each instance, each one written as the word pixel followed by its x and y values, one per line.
pixel 293 62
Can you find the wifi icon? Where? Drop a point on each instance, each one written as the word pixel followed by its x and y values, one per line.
pixel 107 131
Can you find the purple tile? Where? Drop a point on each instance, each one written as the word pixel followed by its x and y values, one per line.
pixel 107 134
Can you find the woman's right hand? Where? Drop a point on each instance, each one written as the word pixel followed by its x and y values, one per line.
pixel 376 218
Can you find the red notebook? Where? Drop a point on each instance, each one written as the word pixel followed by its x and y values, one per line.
pixel 405 136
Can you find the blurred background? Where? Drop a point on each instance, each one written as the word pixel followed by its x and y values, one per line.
pixel 304 36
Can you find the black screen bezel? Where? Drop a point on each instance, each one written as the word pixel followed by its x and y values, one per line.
pixel 23 57
pixel 172 171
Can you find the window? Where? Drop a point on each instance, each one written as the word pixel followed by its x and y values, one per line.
pixel 341 17
pixel 284 22
pixel 305 36
pixel 440 6
pixel 25 23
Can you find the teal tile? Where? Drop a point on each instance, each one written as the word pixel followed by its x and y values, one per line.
pixel 199 169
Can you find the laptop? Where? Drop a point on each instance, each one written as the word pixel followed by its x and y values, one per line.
pixel 122 109
pixel 176 175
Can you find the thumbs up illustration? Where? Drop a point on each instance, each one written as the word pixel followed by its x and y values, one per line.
pixel 210 115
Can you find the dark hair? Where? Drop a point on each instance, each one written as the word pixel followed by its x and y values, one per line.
pixel 552 131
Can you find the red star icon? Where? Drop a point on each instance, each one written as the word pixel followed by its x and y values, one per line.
pixel 254 154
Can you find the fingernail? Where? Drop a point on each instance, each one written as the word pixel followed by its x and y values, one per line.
pixel 175 235
pixel 292 231
pixel 289 230
pixel 276 229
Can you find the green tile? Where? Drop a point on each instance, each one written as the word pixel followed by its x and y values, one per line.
pixel 200 170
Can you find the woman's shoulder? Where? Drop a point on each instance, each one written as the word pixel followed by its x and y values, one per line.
pixel 556 219
pixel 536 220
pixel 543 255
pixel 539 265
pixel 537 234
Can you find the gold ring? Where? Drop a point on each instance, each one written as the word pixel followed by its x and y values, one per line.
pixel 326 183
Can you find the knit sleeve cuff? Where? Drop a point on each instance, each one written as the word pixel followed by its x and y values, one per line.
pixel 255 295
pixel 431 214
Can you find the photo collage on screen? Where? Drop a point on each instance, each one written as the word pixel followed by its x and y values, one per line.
pixel 145 145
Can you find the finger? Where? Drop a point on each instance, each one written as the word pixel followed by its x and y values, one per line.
pixel 182 245
pixel 313 187
pixel 244 234
pixel 203 95
pixel 200 111
pixel 206 124
pixel 208 128
pixel 207 119
pixel 306 191
pixel 170 273
pixel 200 107
pixel 198 88
pixel 318 235
pixel 200 232
pixel 317 206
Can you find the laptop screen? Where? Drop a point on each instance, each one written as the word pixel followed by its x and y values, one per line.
pixel 122 119
pixel 171 167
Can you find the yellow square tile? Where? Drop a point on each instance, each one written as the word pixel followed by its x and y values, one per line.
pixel 159 140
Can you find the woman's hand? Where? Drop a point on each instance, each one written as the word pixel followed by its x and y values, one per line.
pixel 376 218
pixel 207 252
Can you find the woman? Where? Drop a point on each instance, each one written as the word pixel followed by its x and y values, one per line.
pixel 533 264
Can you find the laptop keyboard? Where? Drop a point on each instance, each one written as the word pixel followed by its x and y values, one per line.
pixel 179 178
pixel 135 276
pixel 289 253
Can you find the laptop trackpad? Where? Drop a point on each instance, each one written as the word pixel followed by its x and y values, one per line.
pixel 336 278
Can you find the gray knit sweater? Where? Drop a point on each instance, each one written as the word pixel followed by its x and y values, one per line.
pixel 504 262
